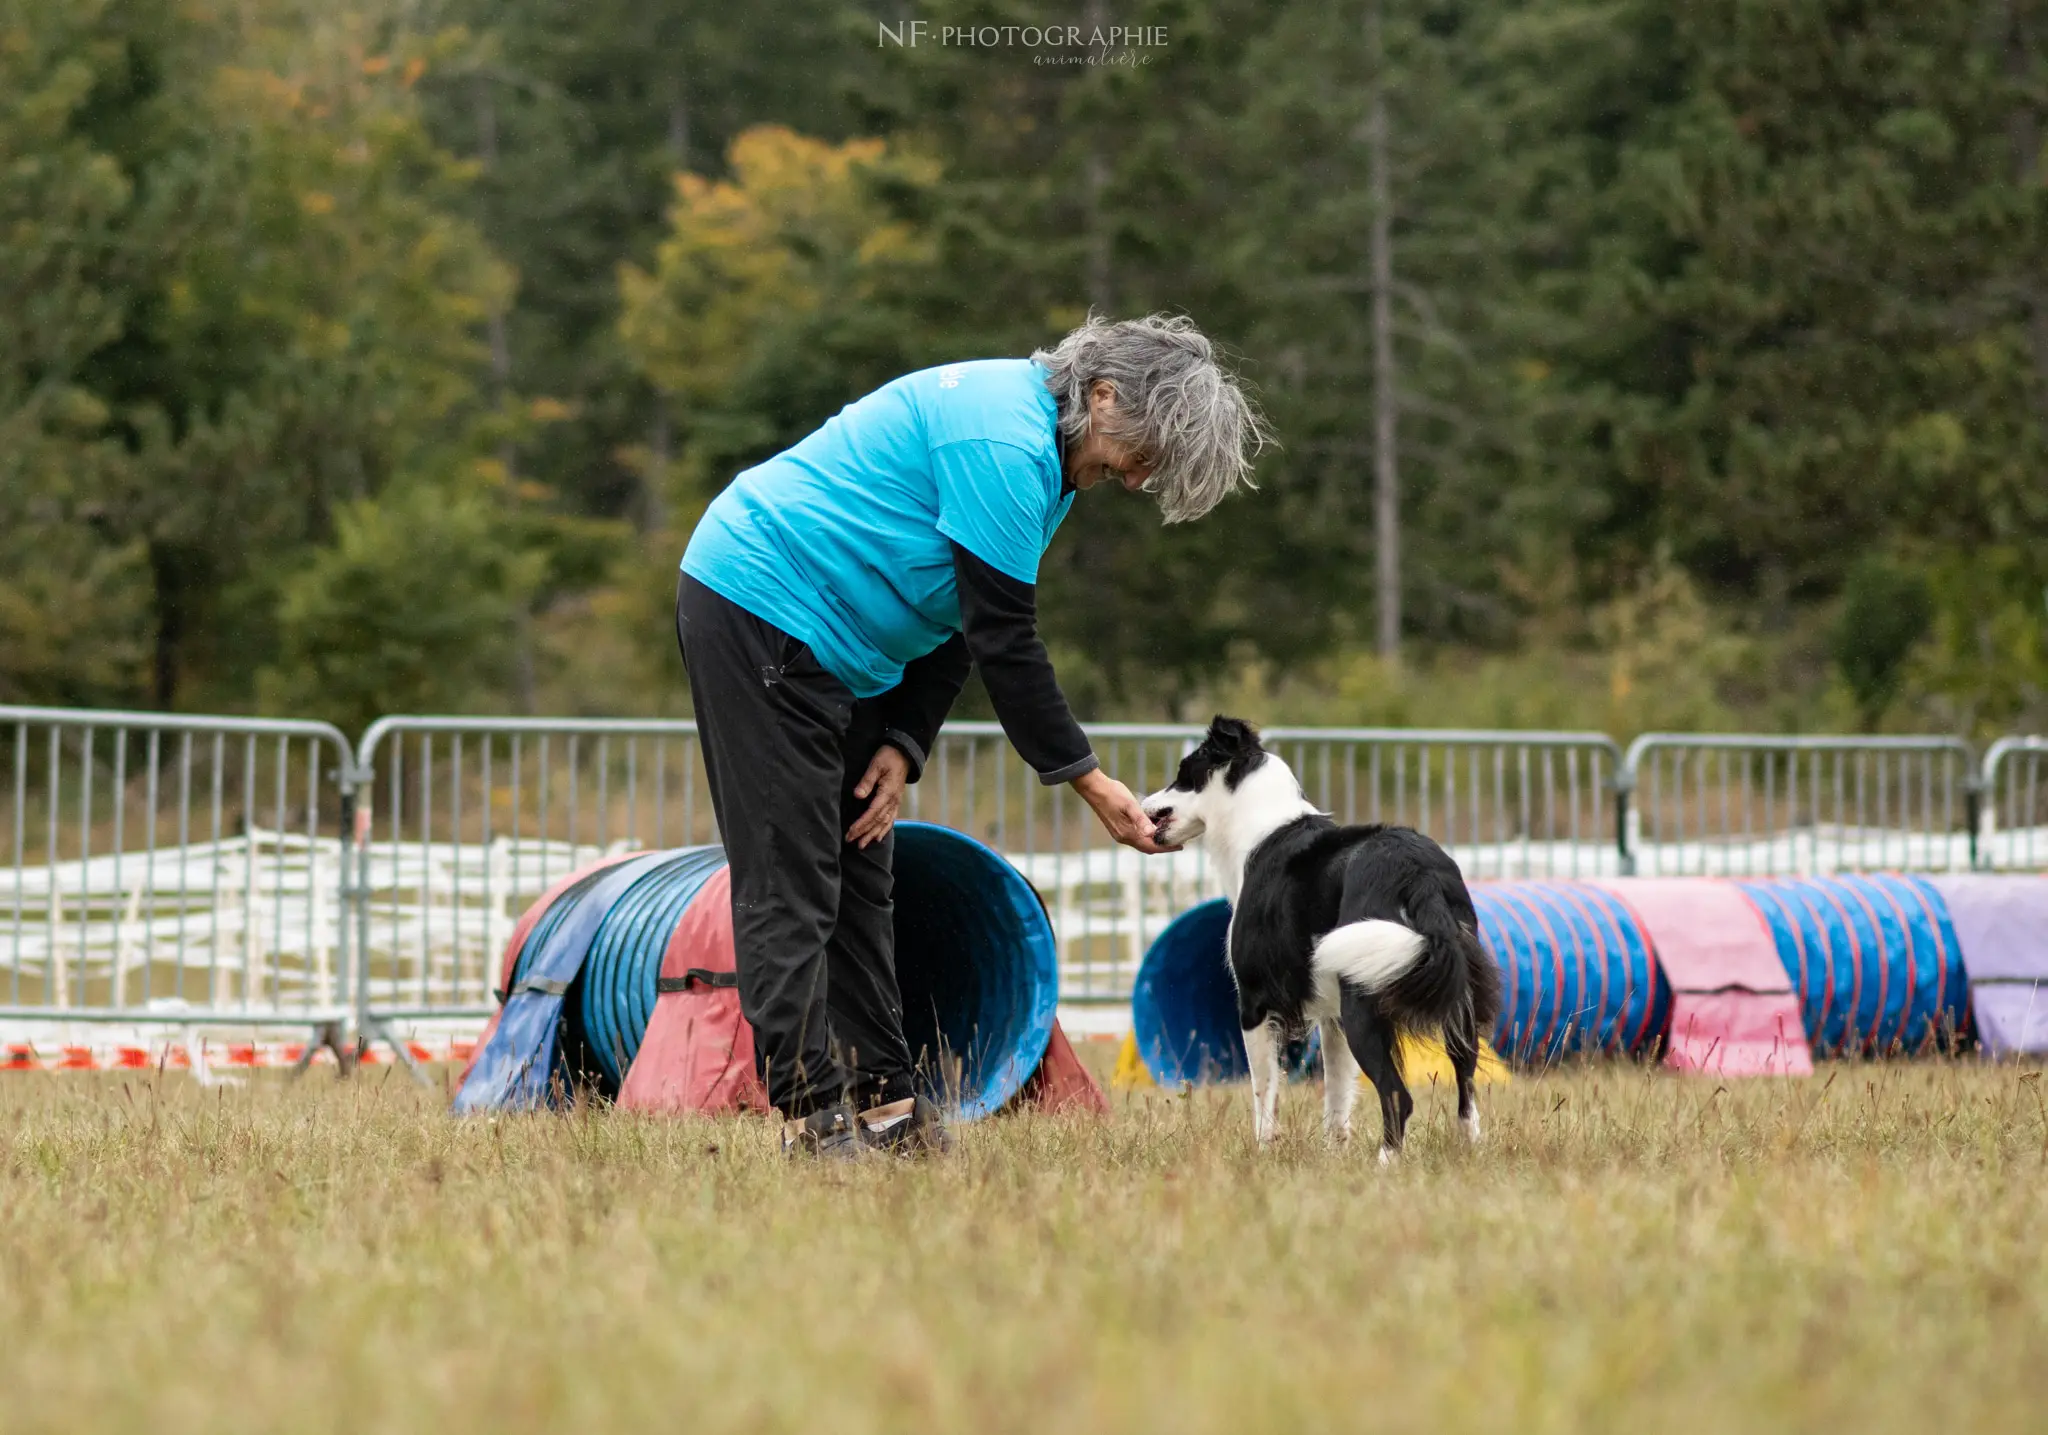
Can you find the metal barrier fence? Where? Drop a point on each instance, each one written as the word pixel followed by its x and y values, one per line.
pixel 1505 804
pixel 2015 826
pixel 465 821
pixel 1740 804
pixel 173 869
pixel 225 870
pixel 468 820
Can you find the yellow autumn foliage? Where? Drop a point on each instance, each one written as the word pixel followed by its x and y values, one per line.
pixel 800 222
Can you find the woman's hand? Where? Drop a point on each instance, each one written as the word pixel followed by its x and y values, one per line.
pixel 1122 816
pixel 887 775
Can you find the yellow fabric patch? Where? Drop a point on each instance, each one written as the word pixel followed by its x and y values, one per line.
pixel 1130 1067
pixel 1423 1062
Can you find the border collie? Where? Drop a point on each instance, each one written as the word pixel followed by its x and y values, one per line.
pixel 1367 930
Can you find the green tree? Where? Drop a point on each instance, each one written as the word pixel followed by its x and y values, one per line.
pixel 412 608
pixel 578 116
pixel 780 294
pixel 74 590
pixel 315 341
pixel 1885 611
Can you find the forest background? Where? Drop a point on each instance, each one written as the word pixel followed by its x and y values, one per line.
pixel 379 357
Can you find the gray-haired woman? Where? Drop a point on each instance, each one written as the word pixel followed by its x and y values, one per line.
pixel 830 603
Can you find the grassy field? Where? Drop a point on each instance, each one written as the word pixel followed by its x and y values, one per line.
pixel 1629 1251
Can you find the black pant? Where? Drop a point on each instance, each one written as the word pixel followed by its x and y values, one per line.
pixel 784 744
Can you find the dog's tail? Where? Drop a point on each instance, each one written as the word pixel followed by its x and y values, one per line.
pixel 1424 976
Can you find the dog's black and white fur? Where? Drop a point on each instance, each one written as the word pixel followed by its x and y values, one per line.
pixel 1367 930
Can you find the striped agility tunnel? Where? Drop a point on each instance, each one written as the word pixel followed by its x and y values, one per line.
pixel 1750 977
pixel 1874 961
pixel 620 980
pixel 1578 974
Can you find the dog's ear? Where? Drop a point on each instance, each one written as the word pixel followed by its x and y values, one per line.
pixel 1237 743
pixel 1232 735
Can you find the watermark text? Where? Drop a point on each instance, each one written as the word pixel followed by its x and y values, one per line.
pixel 911 34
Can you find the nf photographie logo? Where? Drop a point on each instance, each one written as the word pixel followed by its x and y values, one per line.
pixel 1047 44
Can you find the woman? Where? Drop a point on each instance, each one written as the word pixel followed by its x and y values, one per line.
pixel 831 601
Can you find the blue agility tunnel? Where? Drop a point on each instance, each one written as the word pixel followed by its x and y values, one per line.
pixel 976 963
pixel 1875 960
pixel 621 975
pixel 1578 974
pixel 1184 1004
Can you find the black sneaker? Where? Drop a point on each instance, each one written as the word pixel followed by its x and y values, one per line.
pixel 910 1127
pixel 829 1135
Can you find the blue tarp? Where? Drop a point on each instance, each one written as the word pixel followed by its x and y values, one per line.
pixel 516 1068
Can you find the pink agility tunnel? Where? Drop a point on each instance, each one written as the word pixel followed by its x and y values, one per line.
pixel 1733 1011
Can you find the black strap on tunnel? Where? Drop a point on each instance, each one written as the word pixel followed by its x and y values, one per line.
pixel 698 976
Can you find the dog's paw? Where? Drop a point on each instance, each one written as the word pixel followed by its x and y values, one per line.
pixel 1390 1156
pixel 1470 1121
pixel 1338 1135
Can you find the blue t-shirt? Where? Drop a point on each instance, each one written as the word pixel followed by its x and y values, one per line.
pixel 842 541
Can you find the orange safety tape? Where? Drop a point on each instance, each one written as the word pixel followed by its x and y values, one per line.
pixel 25 1056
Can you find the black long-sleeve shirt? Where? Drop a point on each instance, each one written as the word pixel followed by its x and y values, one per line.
pixel 999 635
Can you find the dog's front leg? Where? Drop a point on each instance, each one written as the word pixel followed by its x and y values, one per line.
pixel 1262 1053
pixel 1340 1081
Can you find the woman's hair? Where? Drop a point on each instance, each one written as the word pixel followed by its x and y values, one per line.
pixel 1174 404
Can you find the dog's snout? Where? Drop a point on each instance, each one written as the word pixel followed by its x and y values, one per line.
pixel 1159 815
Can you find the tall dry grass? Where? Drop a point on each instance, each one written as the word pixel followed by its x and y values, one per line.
pixel 1629 1251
